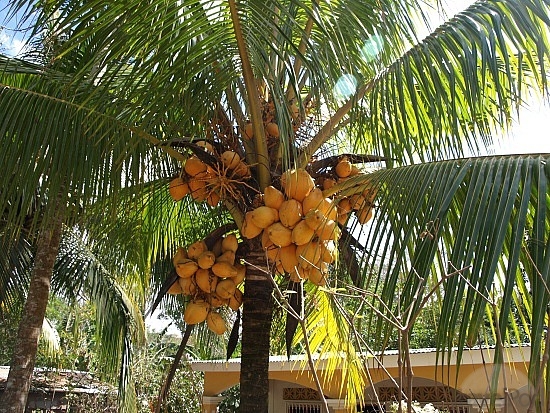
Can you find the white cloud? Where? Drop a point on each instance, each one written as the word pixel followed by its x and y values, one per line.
pixel 10 45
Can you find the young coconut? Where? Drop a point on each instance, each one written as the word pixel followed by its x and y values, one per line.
pixel 179 256
pixel 206 281
pixel 272 129
pixel 207 146
pixel 186 268
pixel 290 213
pixel 196 249
pixel 308 255
pixel 178 188
pixel 197 188
pixel 224 269
pixel 216 323
pixel 288 257
pixel 225 288
pixel 206 259
pixel 313 200
pixel 343 168
pixel 194 166
pixel 175 288
pixel 230 159
pixel 264 216
pixel 248 132
pixel 297 183
pixel 235 300
pixel 273 198
pixel 302 233
pixel 188 286
pixel 230 243
pixel 196 312
pixel 279 234
pixel 249 229
pixel 227 256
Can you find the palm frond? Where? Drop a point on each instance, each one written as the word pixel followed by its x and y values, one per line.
pixel 486 221
pixel 445 96
pixel 78 273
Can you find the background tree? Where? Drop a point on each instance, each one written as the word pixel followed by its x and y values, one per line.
pixel 333 78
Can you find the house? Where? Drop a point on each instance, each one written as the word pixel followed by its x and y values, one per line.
pixel 466 390
pixel 55 390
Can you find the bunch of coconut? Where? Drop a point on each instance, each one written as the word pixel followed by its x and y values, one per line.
pixel 298 226
pixel 362 204
pixel 211 279
pixel 205 182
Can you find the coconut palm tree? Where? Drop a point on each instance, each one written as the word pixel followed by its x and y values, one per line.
pixel 288 85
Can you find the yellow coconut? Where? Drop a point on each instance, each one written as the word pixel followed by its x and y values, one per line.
pixel 205 280
pixel 249 230
pixel 175 288
pixel 344 206
pixel 196 312
pixel 318 275
pixel 315 219
pixel 312 201
pixel 279 234
pixel 206 259
pixel 225 288
pixel 178 188
pixel 271 250
pixel 290 213
pixel 248 132
pixel 297 183
pixel 328 183
pixel 224 269
pixel 273 198
pixel 227 256
pixel 326 231
pixel 206 145
pixel 181 254
pixel 216 323
pixel 194 166
pixel 242 170
pixel 354 171
pixel 230 243
pixel 230 159
pixel 235 300
pixel 216 301
pixel 279 269
pixel 358 201
pixel 241 273
pixel 302 233
pixel 329 251
pixel 186 268
pixel 188 285
pixel 343 218
pixel 213 198
pixel 264 216
pixel 364 215
pixel 343 168
pixel 272 129
pixel 196 249
pixel 328 209
pixel 217 247
pixel 308 254
pixel 197 188
pixel 288 257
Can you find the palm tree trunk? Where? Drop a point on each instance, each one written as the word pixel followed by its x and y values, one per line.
pixel 256 328
pixel 14 398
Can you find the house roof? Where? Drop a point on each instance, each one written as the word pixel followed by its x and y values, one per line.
pixel 60 381
pixel 419 357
